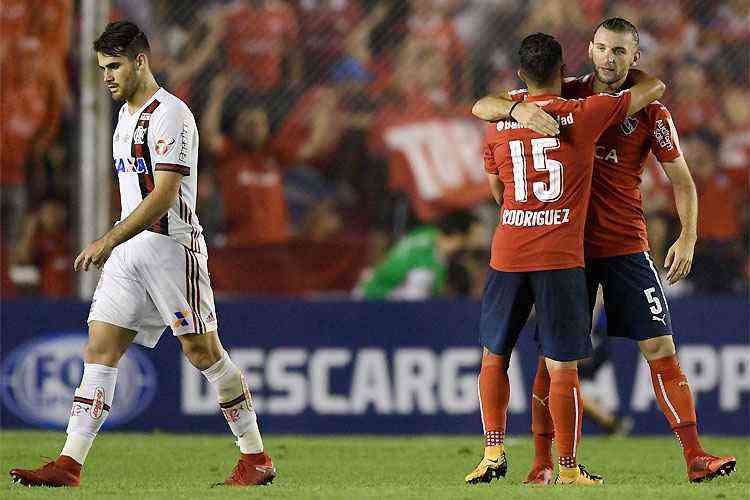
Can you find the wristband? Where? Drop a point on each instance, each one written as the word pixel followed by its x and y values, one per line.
pixel 510 113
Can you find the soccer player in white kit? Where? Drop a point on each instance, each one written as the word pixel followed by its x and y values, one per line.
pixel 154 266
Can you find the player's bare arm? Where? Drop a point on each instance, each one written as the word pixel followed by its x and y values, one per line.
pixel 497 187
pixel 645 90
pixel 679 258
pixel 150 210
pixel 527 114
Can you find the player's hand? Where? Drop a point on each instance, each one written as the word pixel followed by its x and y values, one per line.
pixel 679 259
pixel 530 115
pixel 96 253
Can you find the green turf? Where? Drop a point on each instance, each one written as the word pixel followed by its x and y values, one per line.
pixel 179 466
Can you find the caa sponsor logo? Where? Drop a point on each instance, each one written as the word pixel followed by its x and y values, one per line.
pixel 40 377
pixel 137 165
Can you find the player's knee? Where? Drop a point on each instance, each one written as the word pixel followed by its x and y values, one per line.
pixel 658 347
pixel 201 350
pixel 103 352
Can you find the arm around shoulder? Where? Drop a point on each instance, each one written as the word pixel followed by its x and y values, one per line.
pixel 646 89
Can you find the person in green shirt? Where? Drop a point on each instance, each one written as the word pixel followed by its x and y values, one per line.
pixel 417 266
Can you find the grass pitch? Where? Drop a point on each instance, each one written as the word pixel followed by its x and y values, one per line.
pixel 129 465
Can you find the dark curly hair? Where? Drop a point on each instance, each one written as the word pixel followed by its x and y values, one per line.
pixel 122 38
pixel 540 56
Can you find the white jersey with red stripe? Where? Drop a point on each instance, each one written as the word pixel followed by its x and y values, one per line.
pixel 160 135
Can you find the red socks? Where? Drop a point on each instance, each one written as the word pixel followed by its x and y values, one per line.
pixel 494 393
pixel 541 419
pixel 566 407
pixel 676 402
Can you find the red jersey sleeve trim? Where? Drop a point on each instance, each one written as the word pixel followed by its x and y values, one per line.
pixel 173 167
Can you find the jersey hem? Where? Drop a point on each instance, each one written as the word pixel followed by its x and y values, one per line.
pixel 551 267
pixel 172 167
pixel 617 253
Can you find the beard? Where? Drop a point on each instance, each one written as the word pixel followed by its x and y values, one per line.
pixel 606 78
pixel 125 90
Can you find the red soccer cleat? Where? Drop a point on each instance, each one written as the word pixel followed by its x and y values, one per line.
pixel 539 475
pixel 707 467
pixel 61 472
pixel 252 470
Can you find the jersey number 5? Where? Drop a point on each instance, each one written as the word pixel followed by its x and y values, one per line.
pixel 539 147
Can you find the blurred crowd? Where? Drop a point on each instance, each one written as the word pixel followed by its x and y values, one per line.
pixel 335 126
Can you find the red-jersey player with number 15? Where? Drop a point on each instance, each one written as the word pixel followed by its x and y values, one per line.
pixel 543 184
pixel 616 242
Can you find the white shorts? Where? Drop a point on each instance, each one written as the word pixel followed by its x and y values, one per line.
pixel 152 282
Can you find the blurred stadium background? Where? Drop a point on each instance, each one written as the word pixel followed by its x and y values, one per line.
pixel 330 131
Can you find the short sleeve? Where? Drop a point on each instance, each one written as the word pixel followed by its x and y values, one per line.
pixel 600 111
pixel 171 136
pixel 665 144
pixel 490 165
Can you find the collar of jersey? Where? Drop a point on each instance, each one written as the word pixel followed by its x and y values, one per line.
pixel 140 110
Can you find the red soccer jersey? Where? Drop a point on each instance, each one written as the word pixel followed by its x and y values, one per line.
pixel 616 224
pixel 251 186
pixel 257 40
pixel 547 182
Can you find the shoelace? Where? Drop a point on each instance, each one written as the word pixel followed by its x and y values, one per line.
pixel 587 474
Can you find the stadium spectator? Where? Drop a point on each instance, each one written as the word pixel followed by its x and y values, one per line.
pixel 426 141
pixel 312 133
pixel 735 141
pixel 417 267
pixel 693 103
pixel 248 174
pixel 325 26
pixel 430 24
pixel 565 21
pixel 721 217
pixel 338 77
pixel 261 40
pixel 31 108
pixel 183 53
pixel 45 246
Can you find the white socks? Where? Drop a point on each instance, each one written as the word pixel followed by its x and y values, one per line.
pixel 91 406
pixel 235 403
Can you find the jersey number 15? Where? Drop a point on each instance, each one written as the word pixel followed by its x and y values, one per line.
pixel 542 191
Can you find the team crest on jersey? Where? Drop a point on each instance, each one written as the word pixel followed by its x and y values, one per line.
pixel 164 145
pixel 139 135
pixel 629 125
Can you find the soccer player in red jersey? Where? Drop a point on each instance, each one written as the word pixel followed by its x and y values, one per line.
pixel 543 183
pixel 616 242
